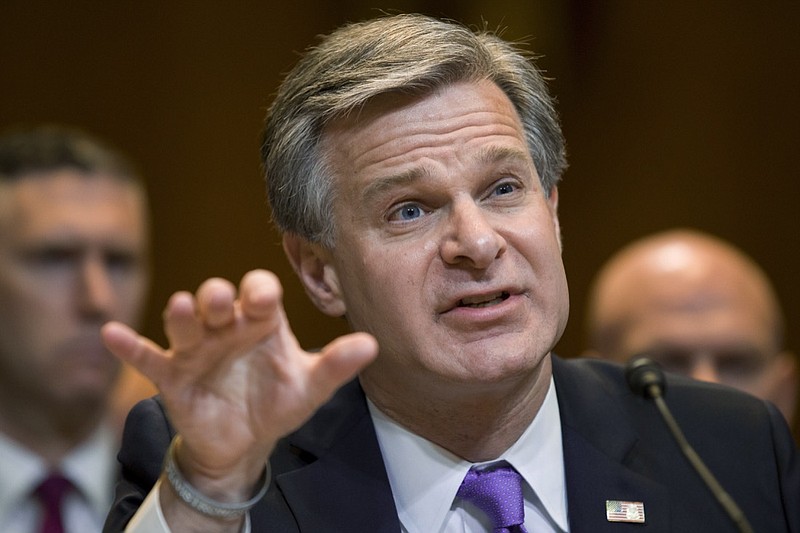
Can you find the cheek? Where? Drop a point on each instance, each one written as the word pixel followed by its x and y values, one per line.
pixel 541 253
pixel 541 249
pixel 130 298
pixel 29 307
pixel 385 281
pixel 25 346
pixel 383 286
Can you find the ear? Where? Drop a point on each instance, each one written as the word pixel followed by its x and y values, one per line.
pixel 552 200
pixel 783 382
pixel 312 264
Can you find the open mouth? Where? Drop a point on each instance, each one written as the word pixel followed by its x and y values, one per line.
pixel 483 301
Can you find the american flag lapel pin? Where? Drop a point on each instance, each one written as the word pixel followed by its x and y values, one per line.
pixel 622 511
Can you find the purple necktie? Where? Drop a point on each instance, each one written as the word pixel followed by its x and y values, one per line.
pixel 51 493
pixel 498 493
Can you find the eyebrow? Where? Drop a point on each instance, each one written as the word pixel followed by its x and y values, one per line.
pixel 379 186
pixel 497 154
pixel 490 155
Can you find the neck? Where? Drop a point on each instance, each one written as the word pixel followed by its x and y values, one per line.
pixel 477 422
pixel 50 435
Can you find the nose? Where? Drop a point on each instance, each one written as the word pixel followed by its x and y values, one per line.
pixel 471 237
pixel 704 369
pixel 96 290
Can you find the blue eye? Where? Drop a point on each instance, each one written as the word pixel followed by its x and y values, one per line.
pixel 408 212
pixel 505 188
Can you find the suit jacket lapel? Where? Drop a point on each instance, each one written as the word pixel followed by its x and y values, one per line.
pixel 346 487
pixel 345 482
pixel 602 459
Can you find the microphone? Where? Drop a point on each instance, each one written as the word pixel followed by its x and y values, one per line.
pixel 645 378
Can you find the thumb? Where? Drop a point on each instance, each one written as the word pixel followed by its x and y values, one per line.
pixel 342 359
pixel 140 352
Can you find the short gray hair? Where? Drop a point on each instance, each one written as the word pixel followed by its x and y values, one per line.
pixel 412 54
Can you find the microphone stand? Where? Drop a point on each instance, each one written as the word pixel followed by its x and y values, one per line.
pixel 647 379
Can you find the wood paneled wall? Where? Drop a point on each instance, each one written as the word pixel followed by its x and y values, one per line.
pixel 676 114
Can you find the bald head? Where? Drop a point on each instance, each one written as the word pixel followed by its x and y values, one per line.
pixel 697 305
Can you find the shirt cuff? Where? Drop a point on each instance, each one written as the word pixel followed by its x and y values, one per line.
pixel 150 519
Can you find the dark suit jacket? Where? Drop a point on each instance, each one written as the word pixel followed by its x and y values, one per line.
pixel 330 476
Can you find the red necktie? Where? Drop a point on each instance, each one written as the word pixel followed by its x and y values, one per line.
pixel 51 493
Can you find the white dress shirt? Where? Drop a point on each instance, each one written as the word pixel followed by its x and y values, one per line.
pixel 92 469
pixel 425 477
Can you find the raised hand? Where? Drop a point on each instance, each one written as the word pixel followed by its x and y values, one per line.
pixel 234 379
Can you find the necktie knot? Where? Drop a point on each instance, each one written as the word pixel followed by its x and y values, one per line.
pixel 51 493
pixel 498 493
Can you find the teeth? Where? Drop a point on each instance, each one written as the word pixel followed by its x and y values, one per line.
pixel 482 302
pixel 486 304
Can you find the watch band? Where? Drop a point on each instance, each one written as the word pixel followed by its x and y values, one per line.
pixel 201 503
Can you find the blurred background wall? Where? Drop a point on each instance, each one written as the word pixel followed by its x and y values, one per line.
pixel 675 113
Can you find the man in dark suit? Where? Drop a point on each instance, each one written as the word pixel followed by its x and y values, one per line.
pixel 413 168
pixel 74 254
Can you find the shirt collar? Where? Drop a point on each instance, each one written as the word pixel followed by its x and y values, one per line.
pixel 538 455
pixel 91 467
pixel 425 477
pixel 20 472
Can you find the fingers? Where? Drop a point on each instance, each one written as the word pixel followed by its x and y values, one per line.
pixel 186 317
pixel 261 293
pixel 215 299
pixel 181 324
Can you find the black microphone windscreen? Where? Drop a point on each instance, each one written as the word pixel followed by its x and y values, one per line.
pixel 642 373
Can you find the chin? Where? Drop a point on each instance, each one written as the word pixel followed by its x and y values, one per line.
pixel 497 368
pixel 88 384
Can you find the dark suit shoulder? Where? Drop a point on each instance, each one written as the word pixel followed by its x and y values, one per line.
pixel 145 439
pixel 694 401
pixel 322 474
pixel 743 440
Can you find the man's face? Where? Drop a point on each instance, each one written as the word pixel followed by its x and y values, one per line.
pixel 73 255
pixel 698 312
pixel 718 335
pixel 447 248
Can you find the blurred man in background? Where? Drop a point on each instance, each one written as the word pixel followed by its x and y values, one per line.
pixel 73 255
pixel 698 306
